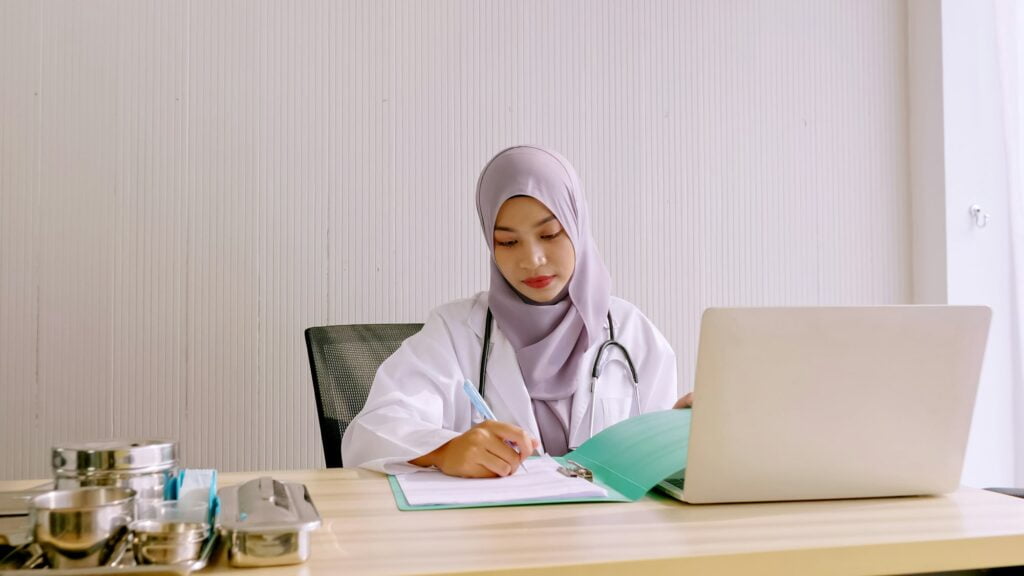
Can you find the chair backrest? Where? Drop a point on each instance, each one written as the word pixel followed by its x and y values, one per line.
pixel 344 359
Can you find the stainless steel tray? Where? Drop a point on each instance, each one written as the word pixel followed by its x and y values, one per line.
pixel 265 522
pixel 29 556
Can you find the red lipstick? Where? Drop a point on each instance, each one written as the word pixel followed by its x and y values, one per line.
pixel 538 282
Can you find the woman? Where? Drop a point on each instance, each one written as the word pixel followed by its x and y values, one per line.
pixel 550 299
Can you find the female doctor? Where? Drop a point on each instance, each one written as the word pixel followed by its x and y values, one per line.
pixel 544 321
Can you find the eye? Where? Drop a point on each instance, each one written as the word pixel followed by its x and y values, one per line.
pixel 553 235
pixel 505 239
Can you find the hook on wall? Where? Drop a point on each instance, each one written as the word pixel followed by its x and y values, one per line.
pixel 981 217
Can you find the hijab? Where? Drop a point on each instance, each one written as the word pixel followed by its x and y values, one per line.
pixel 549 338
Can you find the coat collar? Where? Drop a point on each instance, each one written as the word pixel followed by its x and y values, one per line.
pixel 505 390
pixel 505 385
pixel 478 314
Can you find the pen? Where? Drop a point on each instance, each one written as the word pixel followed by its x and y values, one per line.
pixel 484 410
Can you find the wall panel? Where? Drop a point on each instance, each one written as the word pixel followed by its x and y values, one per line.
pixel 195 183
pixel 19 241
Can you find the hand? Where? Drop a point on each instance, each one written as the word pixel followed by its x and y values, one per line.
pixel 481 451
pixel 684 402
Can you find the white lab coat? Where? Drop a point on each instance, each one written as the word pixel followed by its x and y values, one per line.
pixel 416 403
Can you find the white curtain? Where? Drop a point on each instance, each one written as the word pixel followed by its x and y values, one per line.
pixel 1010 46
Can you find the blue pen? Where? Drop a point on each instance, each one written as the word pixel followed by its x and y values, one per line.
pixel 484 410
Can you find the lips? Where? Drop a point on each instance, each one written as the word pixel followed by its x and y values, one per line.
pixel 538 282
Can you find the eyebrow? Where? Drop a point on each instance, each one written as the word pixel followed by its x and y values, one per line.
pixel 537 225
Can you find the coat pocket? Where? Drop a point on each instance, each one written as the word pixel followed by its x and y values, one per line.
pixel 613 411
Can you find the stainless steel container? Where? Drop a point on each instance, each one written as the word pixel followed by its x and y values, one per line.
pixel 84 527
pixel 267 523
pixel 144 466
pixel 155 542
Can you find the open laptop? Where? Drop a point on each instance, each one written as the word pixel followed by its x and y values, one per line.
pixel 846 402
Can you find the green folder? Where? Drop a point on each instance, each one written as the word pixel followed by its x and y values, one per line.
pixel 627 460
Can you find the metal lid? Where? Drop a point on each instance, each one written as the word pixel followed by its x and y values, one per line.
pixel 115 456
pixel 267 505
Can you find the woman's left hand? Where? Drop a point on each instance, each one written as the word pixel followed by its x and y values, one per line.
pixel 684 402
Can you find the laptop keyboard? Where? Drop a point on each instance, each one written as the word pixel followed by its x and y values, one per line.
pixel 677 482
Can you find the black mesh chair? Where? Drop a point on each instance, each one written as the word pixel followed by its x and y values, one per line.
pixel 344 360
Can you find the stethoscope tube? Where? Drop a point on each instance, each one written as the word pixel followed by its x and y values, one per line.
pixel 486 352
pixel 595 372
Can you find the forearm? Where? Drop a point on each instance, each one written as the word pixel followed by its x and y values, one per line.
pixel 430 458
pixel 389 445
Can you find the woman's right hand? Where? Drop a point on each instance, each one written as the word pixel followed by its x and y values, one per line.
pixel 481 451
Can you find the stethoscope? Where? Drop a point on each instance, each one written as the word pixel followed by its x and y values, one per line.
pixel 595 372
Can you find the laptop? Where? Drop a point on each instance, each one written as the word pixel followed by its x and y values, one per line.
pixel 819 403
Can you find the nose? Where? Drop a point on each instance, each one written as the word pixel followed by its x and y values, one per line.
pixel 533 257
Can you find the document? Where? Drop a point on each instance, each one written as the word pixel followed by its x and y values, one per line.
pixel 626 460
pixel 543 482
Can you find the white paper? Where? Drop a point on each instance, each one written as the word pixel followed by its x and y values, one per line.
pixel 541 482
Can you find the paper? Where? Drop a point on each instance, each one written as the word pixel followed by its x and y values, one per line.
pixel 541 482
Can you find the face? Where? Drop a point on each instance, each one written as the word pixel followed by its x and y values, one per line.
pixel 532 250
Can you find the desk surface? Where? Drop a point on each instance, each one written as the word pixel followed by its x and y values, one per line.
pixel 364 533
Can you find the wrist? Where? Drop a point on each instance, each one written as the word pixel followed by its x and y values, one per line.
pixel 430 458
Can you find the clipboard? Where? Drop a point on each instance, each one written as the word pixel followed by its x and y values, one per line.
pixel 627 460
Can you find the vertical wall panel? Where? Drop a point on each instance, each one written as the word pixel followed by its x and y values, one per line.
pixel 197 182
pixel 78 207
pixel 293 231
pixel 227 173
pixel 24 453
pixel 149 220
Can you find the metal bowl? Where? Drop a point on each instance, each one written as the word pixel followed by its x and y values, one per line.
pixel 156 542
pixel 82 527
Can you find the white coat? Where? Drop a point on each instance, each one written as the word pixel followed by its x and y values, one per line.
pixel 417 403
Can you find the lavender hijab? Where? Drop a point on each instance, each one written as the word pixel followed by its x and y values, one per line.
pixel 550 339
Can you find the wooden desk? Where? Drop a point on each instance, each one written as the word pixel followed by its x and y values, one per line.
pixel 364 533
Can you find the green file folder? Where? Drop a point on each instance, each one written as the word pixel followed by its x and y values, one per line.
pixel 627 460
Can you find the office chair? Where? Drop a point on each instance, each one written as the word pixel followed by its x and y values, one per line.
pixel 344 360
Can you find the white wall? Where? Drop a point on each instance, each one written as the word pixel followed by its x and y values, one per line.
pixel 184 187
pixel 1010 31
pixel 927 151
pixel 978 258
pixel 959 159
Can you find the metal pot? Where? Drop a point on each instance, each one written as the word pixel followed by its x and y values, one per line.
pixel 84 527
pixel 144 466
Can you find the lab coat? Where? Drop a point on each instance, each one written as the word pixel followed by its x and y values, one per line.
pixel 417 403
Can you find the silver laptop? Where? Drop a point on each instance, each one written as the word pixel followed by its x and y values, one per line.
pixel 815 403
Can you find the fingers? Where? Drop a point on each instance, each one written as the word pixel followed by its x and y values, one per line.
pixel 508 453
pixel 684 402
pixel 469 456
pixel 523 442
pixel 495 464
pixel 499 436
pixel 484 451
